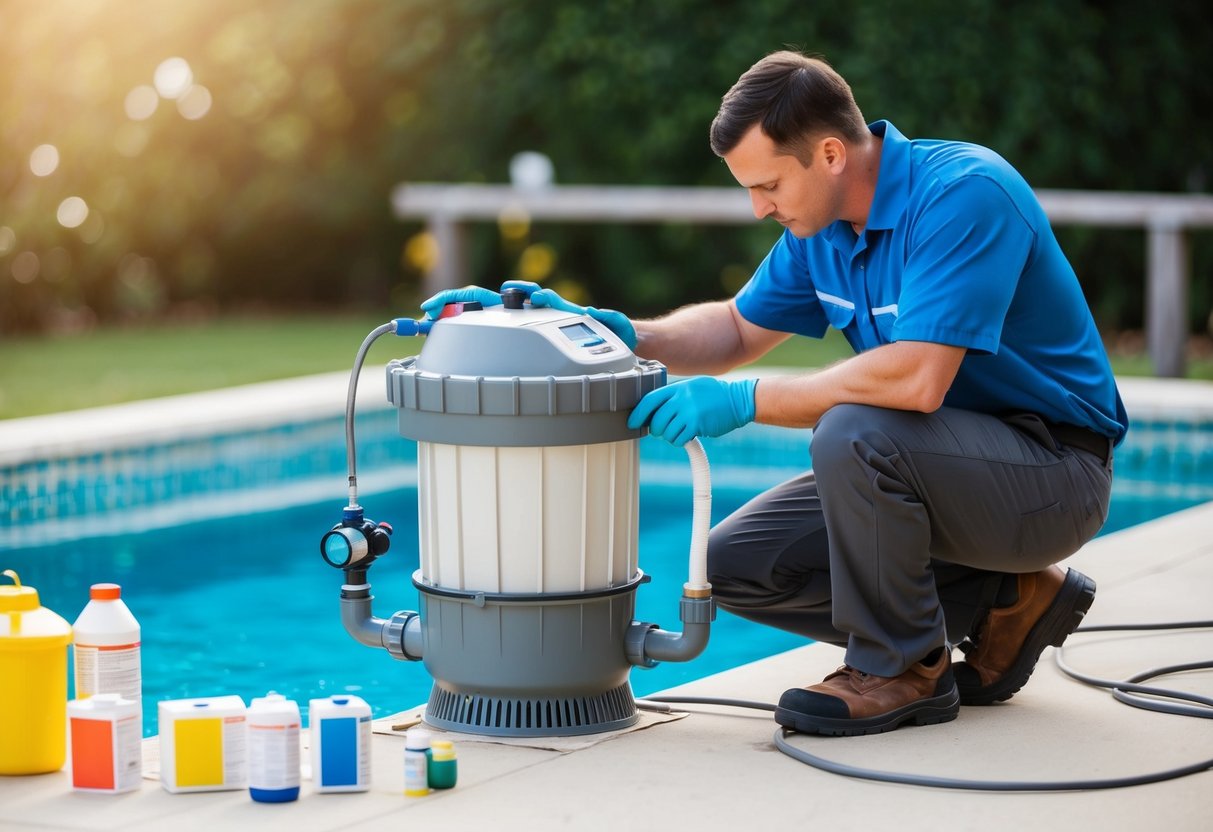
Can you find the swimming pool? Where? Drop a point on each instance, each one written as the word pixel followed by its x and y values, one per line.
pixel 214 540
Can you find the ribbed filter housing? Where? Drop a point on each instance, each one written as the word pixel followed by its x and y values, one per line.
pixel 528 520
pixel 528 513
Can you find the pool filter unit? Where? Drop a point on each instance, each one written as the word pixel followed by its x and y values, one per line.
pixel 528 516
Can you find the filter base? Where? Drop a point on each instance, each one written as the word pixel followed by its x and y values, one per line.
pixel 556 716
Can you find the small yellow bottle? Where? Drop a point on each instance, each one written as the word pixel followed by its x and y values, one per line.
pixel 443 771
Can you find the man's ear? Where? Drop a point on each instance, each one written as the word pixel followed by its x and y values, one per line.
pixel 833 154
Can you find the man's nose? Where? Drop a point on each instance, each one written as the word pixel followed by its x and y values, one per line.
pixel 762 206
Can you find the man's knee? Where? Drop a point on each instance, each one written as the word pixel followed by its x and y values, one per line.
pixel 846 431
pixel 723 567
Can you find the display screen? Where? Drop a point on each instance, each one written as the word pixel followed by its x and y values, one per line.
pixel 578 332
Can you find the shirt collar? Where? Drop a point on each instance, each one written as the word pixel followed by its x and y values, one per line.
pixel 892 188
pixel 893 183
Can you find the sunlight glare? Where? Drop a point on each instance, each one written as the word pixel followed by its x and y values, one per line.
pixel 26 267
pixel 73 211
pixel 141 102
pixel 173 77
pixel 194 103
pixel 44 160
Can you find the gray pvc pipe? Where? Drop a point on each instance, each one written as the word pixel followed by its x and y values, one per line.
pixel 358 619
pixel 665 646
pixel 400 635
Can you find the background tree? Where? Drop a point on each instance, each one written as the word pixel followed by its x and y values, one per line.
pixel 255 171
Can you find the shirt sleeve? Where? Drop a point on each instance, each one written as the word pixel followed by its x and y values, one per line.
pixel 780 295
pixel 968 247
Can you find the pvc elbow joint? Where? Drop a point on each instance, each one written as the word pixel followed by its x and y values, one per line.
pixel 646 644
pixel 400 635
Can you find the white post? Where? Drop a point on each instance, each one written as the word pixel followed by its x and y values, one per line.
pixel 1167 271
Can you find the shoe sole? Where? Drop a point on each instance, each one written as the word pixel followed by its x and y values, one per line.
pixel 1062 617
pixel 933 711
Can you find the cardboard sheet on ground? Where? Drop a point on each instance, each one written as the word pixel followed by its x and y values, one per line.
pixel 397 724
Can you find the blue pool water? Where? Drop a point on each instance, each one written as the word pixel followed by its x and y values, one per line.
pixel 241 602
pixel 245 604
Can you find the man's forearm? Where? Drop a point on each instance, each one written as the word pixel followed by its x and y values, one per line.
pixel 907 375
pixel 702 339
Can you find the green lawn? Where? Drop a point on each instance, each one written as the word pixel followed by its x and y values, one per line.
pixel 51 374
pixel 47 375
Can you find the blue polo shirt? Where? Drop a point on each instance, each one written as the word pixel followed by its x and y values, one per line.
pixel 958 251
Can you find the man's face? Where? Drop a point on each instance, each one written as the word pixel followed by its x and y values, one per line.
pixel 802 200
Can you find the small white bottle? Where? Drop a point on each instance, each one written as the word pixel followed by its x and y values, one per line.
pixel 416 762
pixel 107 643
pixel 273 749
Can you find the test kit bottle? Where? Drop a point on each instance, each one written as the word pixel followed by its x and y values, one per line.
pixel 416 762
pixel 107 749
pixel 273 749
pixel 443 768
pixel 106 648
pixel 340 731
pixel 33 682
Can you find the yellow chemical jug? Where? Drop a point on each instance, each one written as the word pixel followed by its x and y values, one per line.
pixel 33 682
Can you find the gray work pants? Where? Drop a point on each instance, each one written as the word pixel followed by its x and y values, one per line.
pixel 902 532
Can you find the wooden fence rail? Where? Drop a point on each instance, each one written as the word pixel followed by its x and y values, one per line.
pixel 1166 219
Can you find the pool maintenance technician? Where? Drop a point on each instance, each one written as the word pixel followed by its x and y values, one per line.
pixel 957 457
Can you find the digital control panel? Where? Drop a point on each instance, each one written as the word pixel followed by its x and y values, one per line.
pixel 584 337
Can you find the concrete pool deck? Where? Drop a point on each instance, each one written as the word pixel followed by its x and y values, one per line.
pixel 718 768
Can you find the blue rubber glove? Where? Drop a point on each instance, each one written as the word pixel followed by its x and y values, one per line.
pixel 485 297
pixel 700 406
pixel 617 322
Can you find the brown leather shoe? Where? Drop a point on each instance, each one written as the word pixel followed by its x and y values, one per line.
pixel 850 702
pixel 1002 651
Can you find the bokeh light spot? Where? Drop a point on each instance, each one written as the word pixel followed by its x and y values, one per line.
pixel 514 222
pixel 195 102
pixel 8 239
pixel 173 77
pixel 536 262
pixel 570 290
pixel 73 211
pixel 421 252
pixel 531 171
pixel 25 267
pixel 92 229
pixel 141 102
pixel 44 160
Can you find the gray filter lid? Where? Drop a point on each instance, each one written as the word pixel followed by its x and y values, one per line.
pixel 520 377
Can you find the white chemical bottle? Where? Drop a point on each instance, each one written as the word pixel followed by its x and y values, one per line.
pixel 273 749
pixel 416 762
pixel 340 729
pixel 106 650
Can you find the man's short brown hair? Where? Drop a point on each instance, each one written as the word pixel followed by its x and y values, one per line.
pixel 796 98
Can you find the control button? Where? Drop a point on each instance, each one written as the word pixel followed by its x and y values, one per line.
pixel 601 350
pixel 513 298
pixel 592 342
